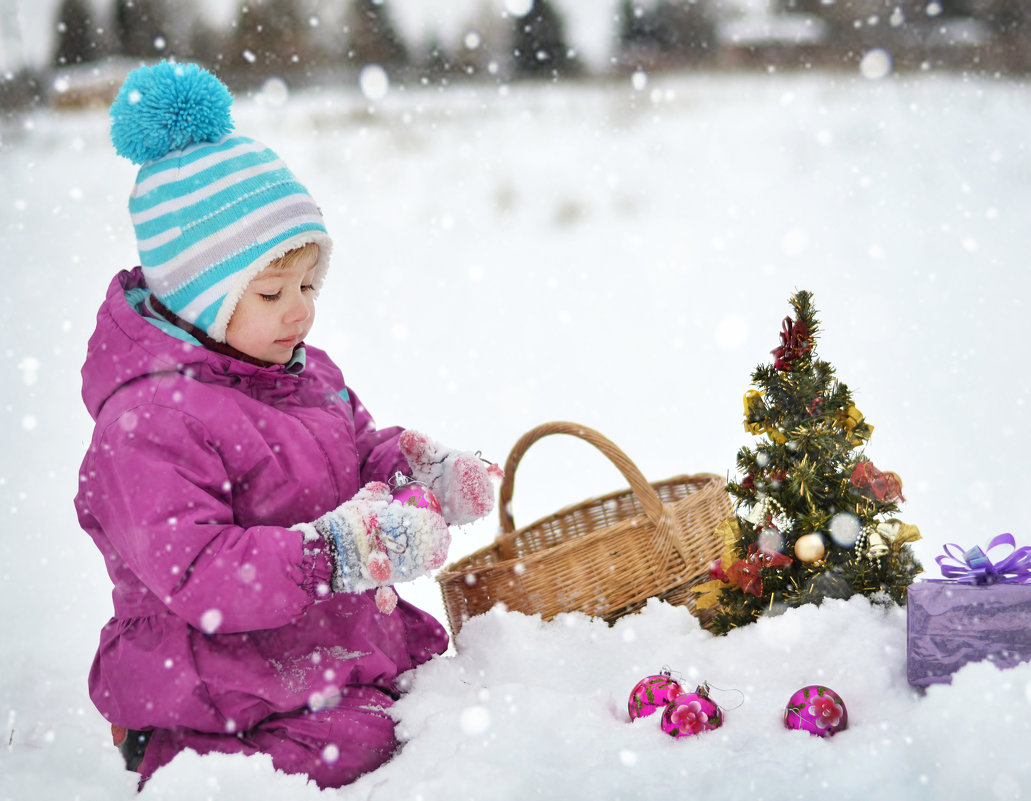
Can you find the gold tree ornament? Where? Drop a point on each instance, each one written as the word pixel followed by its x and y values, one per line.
pixel 709 592
pixel 754 403
pixel 883 539
pixel 854 423
pixel 810 548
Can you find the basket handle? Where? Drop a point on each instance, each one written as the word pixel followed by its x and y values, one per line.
pixel 646 494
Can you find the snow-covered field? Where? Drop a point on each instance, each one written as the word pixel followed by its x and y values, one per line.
pixel 621 257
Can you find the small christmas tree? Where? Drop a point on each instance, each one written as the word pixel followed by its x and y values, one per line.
pixel 813 514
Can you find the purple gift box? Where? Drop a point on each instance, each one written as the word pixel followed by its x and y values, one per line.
pixel 981 610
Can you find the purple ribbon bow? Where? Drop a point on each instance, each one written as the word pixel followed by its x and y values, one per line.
pixel 976 567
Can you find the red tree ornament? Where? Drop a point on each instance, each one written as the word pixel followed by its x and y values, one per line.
pixel 882 485
pixel 794 343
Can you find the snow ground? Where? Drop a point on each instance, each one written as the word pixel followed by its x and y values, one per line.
pixel 619 257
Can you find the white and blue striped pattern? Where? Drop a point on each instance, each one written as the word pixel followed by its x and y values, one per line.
pixel 210 217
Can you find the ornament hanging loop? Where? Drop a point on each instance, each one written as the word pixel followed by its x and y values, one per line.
pixel 741 696
pixel 669 673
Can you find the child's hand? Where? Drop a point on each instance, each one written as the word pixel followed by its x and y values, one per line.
pixel 460 480
pixel 374 542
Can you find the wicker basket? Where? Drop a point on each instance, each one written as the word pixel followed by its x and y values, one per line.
pixel 605 557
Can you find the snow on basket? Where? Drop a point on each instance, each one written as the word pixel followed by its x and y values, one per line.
pixel 604 557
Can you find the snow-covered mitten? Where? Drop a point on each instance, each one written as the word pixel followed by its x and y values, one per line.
pixel 460 480
pixel 374 543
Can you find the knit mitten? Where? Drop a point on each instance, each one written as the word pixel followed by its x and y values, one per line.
pixel 374 543
pixel 461 481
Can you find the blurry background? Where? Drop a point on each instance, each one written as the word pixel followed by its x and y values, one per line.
pixel 64 51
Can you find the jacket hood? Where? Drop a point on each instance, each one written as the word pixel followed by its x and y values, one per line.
pixel 127 345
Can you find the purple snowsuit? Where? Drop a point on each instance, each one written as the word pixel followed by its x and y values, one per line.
pixel 225 637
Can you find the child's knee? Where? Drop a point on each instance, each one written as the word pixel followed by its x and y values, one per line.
pixel 335 745
pixel 357 742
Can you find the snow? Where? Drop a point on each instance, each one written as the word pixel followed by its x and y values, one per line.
pixel 621 258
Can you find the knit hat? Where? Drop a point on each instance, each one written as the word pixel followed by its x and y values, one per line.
pixel 211 209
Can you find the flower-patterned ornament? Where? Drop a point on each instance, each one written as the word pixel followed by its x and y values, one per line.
pixel 816 709
pixel 651 694
pixel 691 713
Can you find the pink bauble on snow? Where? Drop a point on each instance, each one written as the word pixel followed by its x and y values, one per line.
pixel 691 713
pixel 415 493
pixel 652 693
pixel 816 709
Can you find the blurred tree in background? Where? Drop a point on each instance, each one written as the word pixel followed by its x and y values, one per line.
pixel 371 36
pixel 983 35
pixel 539 45
pixel 79 38
pixel 328 41
pixel 269 37
pixel 142 28
pixel 671 33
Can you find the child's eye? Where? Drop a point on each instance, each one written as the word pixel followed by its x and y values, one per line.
pixel 307 287
pixel 270 298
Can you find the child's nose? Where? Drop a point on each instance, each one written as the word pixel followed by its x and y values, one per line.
pixel 297 311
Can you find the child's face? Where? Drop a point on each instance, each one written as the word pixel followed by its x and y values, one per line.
pixel 276 311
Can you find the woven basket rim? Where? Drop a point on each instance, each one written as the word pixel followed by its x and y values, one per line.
pixel 453 570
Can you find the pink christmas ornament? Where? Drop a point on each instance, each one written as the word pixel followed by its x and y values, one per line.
pixel 652 693
pixel 414 493
pixel 816 709
pixel 691 713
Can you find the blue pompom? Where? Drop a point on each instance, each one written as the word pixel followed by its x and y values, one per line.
pixel 168 107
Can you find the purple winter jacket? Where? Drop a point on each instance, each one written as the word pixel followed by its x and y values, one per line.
pixel 199 465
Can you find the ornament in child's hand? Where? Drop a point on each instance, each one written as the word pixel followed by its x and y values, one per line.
pixel 414 493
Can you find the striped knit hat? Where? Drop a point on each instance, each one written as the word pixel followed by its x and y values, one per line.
pixel 211 209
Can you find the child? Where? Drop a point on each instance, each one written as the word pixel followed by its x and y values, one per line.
pixel 234 483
